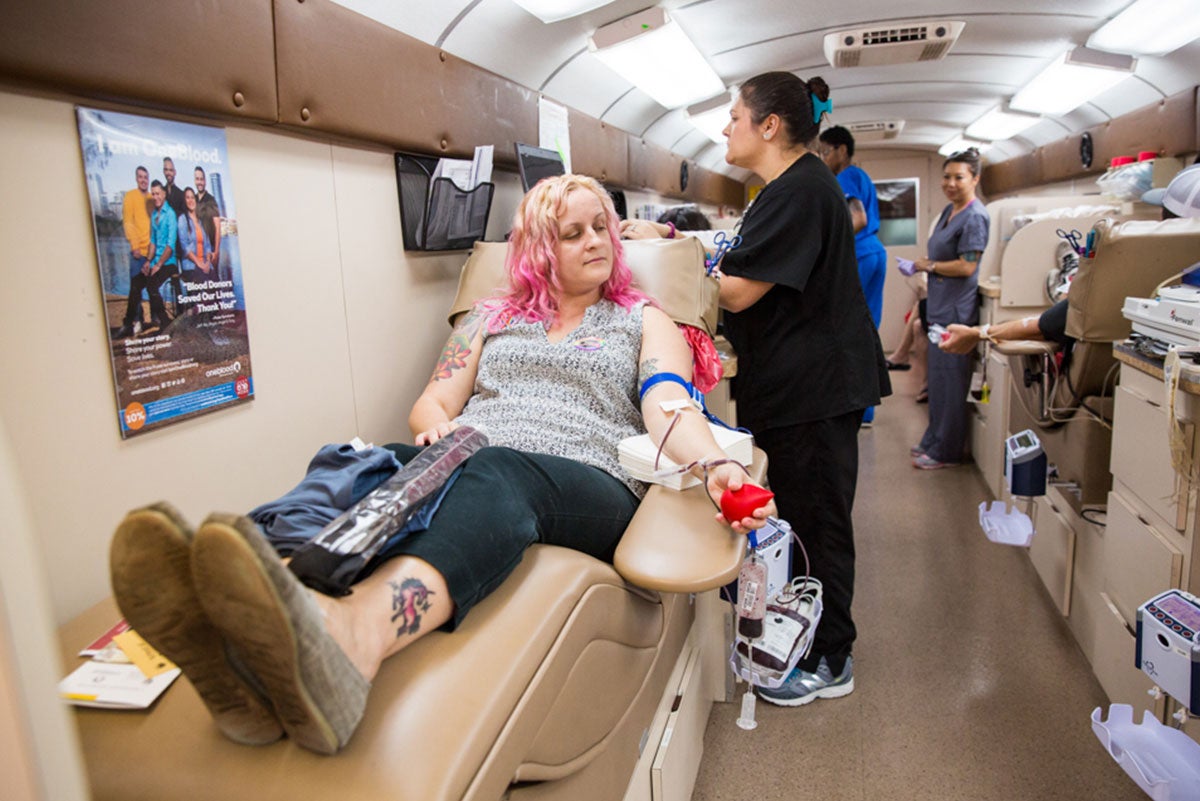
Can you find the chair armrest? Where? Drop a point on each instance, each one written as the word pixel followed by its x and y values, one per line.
pixel 1026 347
pixel 674 544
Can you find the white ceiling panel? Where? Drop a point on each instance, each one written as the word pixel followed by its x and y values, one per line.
pixel 693 143
pixel 668 129
pixel 502 37
pixel 1044 132
pixel 420 20
pixel 580 85
pixel 1004 44
pixel 1130 95
pixel 634 112
pixel 1174 72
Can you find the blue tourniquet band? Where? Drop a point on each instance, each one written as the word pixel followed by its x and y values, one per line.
pixel 696 395
pixel 658 378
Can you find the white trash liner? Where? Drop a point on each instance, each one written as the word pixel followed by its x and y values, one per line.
pixel 1163 761
pixel 1005 526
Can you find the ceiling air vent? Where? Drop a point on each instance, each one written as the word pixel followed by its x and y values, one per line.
pixel 898 43
pixel 875 131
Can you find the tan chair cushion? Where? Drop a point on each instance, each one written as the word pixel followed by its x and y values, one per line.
pixel 512 692
pixel 1132 258
pixel 1025 347
pixel 674 545
pixel 669 270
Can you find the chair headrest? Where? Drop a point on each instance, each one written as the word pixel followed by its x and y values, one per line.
pixel 669 270
pixel 1132 257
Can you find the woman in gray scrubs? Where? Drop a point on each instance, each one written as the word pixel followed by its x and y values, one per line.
pixel 957 242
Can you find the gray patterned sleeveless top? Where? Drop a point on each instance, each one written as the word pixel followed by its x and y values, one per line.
pixel 576 398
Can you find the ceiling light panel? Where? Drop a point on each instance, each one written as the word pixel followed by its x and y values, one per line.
pixel 555 10
pixel 960 143
pixel 1000 124
pixel 652 52
pixel 1149 28
pixel 711 116
pixel 1073 79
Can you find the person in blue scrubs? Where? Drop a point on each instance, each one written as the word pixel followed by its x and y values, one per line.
pixel 837 149
pixel 954 248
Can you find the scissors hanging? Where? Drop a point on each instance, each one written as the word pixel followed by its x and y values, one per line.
pixel 1074 239
pixel 723 244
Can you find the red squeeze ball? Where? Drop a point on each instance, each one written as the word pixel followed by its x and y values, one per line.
pixel 736 504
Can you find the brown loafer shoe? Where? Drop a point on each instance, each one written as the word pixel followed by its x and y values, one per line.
pixel 270 617
pixel 149 565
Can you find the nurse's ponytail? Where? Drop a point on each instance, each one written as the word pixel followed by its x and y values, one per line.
pixel 798 103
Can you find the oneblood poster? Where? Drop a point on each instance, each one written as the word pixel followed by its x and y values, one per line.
pixel 166 235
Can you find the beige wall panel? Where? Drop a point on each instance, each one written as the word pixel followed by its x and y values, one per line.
pixel 1168 128
pixel 406 94
pixel 706 186
pixel 1013 174
pixel 598 149
pixel 653 167
pixel 396 302
pixel 216 57
pixel 78 475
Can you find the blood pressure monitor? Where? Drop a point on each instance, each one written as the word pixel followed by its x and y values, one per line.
pixel 1025 465
pixel 1168 645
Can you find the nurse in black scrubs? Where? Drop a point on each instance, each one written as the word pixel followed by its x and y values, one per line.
pixel 809 358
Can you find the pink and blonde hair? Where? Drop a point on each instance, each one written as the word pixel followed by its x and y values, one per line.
pixel 532 263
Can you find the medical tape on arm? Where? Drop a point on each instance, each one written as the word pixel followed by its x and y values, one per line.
pixel 677 407
pixel 696 397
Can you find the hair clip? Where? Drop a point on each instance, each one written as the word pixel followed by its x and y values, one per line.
pixel 820 107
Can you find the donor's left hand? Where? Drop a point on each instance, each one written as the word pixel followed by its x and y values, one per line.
pixel 732 477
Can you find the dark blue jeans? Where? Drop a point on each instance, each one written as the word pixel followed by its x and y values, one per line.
pixel 503 502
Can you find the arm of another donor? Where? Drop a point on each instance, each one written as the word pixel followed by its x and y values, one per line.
pixel 963 338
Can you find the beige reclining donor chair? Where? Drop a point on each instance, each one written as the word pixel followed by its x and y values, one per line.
pixel 1071 409
pixel 552 688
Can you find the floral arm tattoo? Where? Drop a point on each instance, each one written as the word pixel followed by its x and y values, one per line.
pixel 458 346
pixel 646 370
pixel 410 600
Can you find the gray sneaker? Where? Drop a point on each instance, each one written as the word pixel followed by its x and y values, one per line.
pixel 802 687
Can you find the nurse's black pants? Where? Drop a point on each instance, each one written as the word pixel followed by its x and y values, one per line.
pixel 813 471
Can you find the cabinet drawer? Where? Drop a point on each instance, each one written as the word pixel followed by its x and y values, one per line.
pixel 1087 581
pixel 1123 683
pixel 1141 455
pixel 989 426
pixel 641 782
pixel 1138 562
pixel 673 775
pixel 1052 550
